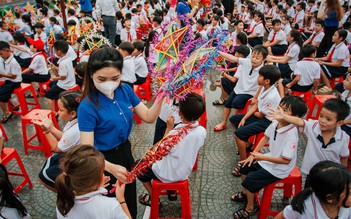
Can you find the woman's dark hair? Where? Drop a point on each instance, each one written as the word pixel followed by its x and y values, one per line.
pixel 20 37
pixel 70 100
pixel 297 37
pixel 242 37
pixel 53 19
pixel 322 179
pixel 82 168
pixel 295 104
pixel 26 19
pixel 8 198
pixel 149 40
pixel 100 58
pixel 342 34
pixel 192 107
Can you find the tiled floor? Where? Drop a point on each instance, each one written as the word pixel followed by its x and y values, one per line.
pixel 211 185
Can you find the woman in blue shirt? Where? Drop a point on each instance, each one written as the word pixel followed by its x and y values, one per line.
pixel 105 117
pixel 331 15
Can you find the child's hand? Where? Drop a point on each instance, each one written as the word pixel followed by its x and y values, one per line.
pixel 288 86
pixel 277 114
pixel 120 187
pixel 248 161
pixel 253 101
pixel 242 123
pixel 257 156
pixel 170 122
pixel 44 122
pixel 106 181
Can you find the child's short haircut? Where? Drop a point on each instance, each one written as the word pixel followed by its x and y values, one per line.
pixel 56 11
pixel 192 107
pixel 270 72
pixel 238 22
pixel 127 46
pixel 2 24
pixel 242 37
pixel 71 12
pixel 124 21
pixel 216 17
pixel 302 5
pixel 342 34
pixel 308 50
pixel 259 14
pixel 320 21
pixel 295 104
pixel 347 25
pixel 243 50
pixel 276 21
pixel 81 69
pixel 71 23
pixel 134 10
pixel 290 3
pixel 340 107
pixel 4 45
pixel 62 46
pixel 139 46
pixel 157 19
pixel 201 22
pixel 261 50
pixel 53 19
pixel 311 1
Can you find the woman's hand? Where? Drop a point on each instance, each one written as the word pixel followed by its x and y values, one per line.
pixel 119 172
pixel 120 187
pixel 44 122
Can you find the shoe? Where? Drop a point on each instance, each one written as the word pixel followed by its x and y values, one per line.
pixel 6 118
pixel 219 128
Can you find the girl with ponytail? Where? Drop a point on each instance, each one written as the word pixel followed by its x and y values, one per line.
pixel 80 192
pixel 327 197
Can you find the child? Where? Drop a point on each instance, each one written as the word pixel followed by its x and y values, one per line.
pixel 80 194
pixel 21 52
pixel 5 35
pixel 11 206
pixel 64 73
pixel 257 30
pixel 141 70
pixel 27 28
pixel 287 62
pixel 58 17
pixel 200 23
pixel 306 74
pixel 290 9
pixel 260 170
pixel 276 43
pixel 239 28
pixel 54 26
pixel 300 15
pixel 256 120
pixel 326 198
pixel 128 72
pixel 317 35
pixel 245 78
pixel 347 27
pixel 80 72
pixel 127 33
pixel 13 77
pixel 326 140
pixel 183 154
pixel 337 61
pixel 39 32
pixel 214 28
pixel 345 96
pixel 60 142
pixel 286 27
pixel 156 23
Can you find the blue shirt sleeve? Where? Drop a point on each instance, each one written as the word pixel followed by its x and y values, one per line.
pixel 87 116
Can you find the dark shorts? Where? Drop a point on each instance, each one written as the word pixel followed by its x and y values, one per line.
pixel 237 101
pixel 31 77
pixel 227 85
pixel 148 176
pixel 51 170
pixel 24 63
pixel 256 178
pixel 7 89
pixel 279 49
pixel 54 91
pixel 255 41
pixel 285 70
pixel 139 80
pixel 253 126
pixel 297 87
pixel 333 72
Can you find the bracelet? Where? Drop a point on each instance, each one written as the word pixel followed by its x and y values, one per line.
pixel 124 202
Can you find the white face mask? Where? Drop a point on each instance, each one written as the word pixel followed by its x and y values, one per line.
pixel 106 88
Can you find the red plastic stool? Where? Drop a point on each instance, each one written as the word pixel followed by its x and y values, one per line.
pixel 319 100
pixel 23 104
pixel 160 188
pixel 143 91
pixel 3 132
pixel 9 154
pixel 244 111
pixel 335 81
pixel 43 87
pixel 294 179
pixel 27 120
pixel 306 96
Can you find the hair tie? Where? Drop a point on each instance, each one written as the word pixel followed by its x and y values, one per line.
pixel 78 99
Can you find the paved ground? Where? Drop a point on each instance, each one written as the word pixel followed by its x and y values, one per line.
pixel 210 186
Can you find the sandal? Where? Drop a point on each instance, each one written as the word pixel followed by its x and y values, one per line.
pixel 219 102
pixel 242 213
pixel 235 197
pixel 6 118
pixel 325 90
pixel 248 149
pixel 236 171
pixel 145 199
pixel 218 128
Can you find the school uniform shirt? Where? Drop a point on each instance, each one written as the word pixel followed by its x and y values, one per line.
pixel 128 37
pixel 26 29
pixel 247 77
pixel 300 16
pixel 5 36
pixel 340 52
pixel 348 101
pixel 247 18
pixel 268 99
pixel 280 35
pixel 293 52
pixel 203 33
pixel 74 18
pixel 56 28
pixel 317 37
pixel 225 24
pixel 13 213
pixel 43 37
pixel 311 9
pixel 119 27
pixel 128 70
pixel 282 143
pixel 286 28
pixel 348 38
pixel 309 70
pixel 94 205
pixel 70 136
pixel 23 55
pixel 258 28
pixel 71 53
pixel 178 164
pixel 38 64
pixel 211 31
pixel 260 7
pixel 60 21
pixel 11 67
pixel 290 12
pixel 66 69
pixel 242 15
pixel 140 66
pixel 337 147
pixel 313 209
pixel 102 119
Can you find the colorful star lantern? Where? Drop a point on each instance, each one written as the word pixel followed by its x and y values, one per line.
pixel 168 47
pixel 96 45
pixel 51 38
pixel 29 8
pixel 72 35
pixel 87 26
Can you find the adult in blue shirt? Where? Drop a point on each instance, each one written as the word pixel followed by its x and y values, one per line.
pixel 85 5
pixel 331 15
pixel 105 117
pixel 184 9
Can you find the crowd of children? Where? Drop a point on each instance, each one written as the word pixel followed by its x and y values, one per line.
pixel 279 47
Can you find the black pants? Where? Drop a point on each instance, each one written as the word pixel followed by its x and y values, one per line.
pixel 110 28
pixel 327 41
pixel 160 130
pixel 122 155
pixel 31 77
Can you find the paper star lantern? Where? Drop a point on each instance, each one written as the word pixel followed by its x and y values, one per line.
pixel 29 8
pixel 51 38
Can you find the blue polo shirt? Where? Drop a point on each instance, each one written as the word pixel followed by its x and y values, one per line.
pixel 183 8
pixel 111 121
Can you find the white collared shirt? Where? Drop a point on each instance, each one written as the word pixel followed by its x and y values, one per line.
pixel 280 35
pixel 5 36
pixel 300 17
pixel 106 7
pixel 70 136
pixel 42 36
pixel 258 28
pixel 318 38
pixel 38 64
pixel 23 55
pixel 341 52
pixel 293 52
pixel 308 70
pixel 268 99
pixel 247 84
pixel 286 28
pixel 282 143
pixel 124 35
pixel 314 152
pixel 66 69
pixel 74 18
pixel 11 67
pixel 128 70
pixel 140 66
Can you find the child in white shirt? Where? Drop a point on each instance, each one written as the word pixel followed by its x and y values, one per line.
pixel 276 43
pixel 128 71
pixel 127 33
pixel 5 35
pixel 21 51
pixel 141 70
pixel 300 15
pixel 257 30
pixel 317 35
